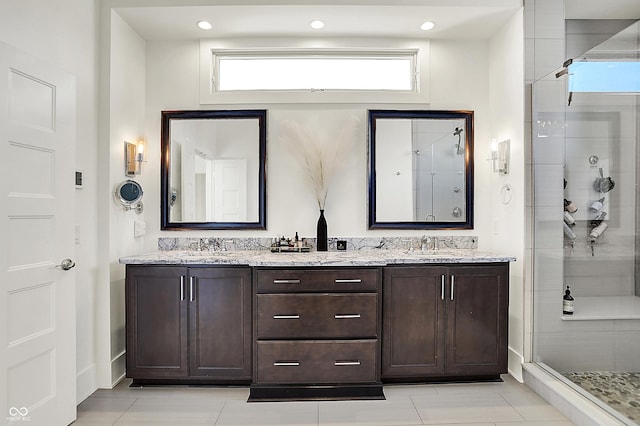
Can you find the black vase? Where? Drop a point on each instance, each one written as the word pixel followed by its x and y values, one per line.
pixel 321 234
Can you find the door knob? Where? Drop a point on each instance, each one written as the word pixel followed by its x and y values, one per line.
pixel 66 264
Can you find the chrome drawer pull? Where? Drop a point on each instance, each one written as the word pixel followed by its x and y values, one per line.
pixel 345 363
pixel 347 281
pixel 286 317
pixel 192 292
pixel 343 316
pixel 453 283
pixel 286 364
pixel 181 287
pixel 286 281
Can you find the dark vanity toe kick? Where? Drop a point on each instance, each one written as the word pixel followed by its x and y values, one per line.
pixel 262 393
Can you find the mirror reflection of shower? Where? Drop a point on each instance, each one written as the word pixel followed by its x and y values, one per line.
pixel 457 132
pixel 436 171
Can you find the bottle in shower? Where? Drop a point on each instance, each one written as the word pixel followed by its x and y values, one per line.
pixel 567 302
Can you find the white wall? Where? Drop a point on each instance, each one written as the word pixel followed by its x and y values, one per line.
pixel 125 123
pixel 460 68
pixel 507 192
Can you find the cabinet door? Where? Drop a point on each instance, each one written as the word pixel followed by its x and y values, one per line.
pixel 220 322
pixel 477 316
pixel 413 326
pixel 156 316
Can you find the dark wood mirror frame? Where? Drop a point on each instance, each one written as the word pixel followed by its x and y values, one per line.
pixel 467 117
pixel 165 164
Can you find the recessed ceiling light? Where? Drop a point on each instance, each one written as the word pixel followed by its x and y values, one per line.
pixel 427 26
pixel 204 25
pixel 317 24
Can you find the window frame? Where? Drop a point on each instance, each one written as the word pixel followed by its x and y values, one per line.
pixel 211 51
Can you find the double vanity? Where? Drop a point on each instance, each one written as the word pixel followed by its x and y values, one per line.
pixel 316 325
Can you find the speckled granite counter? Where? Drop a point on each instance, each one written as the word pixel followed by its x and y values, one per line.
pixel 330 258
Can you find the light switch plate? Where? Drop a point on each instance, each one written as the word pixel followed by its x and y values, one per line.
pixel 139 228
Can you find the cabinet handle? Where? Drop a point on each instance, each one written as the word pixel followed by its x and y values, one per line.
pixel 346 316
pixel 286 363
pixel 345 363
pixel 286 317
pixel 181 287
pixel 453 283
pixel 348 281
pixel 286 281
pixel 442 286
pixel 192 293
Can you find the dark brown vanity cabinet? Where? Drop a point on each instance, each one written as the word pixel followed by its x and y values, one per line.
pixel 188 324
pixel 317 333
pixel 445 321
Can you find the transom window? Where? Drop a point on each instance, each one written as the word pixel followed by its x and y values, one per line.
pixel 315 71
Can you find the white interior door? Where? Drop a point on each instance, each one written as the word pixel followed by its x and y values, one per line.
pixel 37 298
pixel 230 190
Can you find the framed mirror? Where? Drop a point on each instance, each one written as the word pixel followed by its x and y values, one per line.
pixel 213 169
pixel 420 169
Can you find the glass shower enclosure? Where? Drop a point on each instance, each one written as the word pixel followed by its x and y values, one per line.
pixel 586 167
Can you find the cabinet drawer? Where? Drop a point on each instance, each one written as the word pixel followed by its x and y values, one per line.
pixel 305 280
pixel 311 362
pixel 320 315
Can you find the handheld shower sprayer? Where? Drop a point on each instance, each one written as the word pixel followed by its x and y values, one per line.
pixel 457 132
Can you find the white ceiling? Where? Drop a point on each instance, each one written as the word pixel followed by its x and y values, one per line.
pixel 455 19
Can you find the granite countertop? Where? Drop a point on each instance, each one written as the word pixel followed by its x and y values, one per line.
pixel 314 258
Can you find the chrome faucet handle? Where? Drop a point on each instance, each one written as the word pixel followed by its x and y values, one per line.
pixel 224 244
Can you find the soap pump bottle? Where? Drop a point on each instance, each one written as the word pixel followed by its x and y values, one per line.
pixel 567 302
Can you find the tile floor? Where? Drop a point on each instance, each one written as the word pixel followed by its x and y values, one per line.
pixel 502 404
pixel 621 391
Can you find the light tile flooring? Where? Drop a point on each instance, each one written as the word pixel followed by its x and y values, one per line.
pixel 502 404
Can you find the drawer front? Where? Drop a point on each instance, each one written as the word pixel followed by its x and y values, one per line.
pixel 321 362
pixel 320 315
pixel 309 280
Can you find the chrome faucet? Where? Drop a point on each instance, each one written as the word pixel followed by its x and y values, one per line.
pixel 428 243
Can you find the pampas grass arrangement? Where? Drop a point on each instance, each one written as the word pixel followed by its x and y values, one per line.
pixel 320 154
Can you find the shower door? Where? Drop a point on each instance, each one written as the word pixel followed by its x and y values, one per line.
pixel 586 175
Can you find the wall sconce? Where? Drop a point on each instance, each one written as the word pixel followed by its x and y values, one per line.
pixel 500 152
pixel 133 157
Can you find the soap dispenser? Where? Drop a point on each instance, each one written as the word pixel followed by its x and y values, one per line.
pixel 567 302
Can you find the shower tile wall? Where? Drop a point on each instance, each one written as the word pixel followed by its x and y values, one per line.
pixel 602 126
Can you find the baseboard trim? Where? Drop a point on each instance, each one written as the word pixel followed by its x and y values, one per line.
pixel 86 383
pixel 118 368
pixel 515 361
